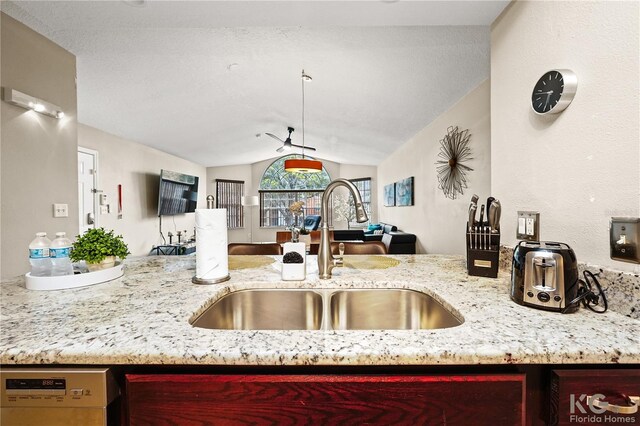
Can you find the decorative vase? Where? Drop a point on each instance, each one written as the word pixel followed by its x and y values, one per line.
pixel 295 235
pixel 107 262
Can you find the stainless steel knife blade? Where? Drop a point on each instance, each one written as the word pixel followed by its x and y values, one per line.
pixel 481 246
pixel 496 216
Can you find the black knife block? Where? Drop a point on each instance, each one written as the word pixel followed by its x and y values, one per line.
pixel 483 253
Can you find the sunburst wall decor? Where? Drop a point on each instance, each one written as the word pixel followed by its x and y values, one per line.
pixel 454 152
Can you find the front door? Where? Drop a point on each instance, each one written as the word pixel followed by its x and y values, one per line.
pixel 87 183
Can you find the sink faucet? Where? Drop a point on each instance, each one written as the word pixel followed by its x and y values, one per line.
pixel 326 261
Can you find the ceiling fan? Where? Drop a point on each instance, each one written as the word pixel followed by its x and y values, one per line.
pixel 287 143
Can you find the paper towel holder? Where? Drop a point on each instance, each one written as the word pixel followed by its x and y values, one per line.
pixel 203 281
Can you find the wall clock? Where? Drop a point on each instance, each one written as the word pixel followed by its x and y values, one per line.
pixel 554 91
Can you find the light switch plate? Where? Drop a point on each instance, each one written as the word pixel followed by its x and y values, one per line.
pixel 528 228
pixel 624 237
pixel 60 210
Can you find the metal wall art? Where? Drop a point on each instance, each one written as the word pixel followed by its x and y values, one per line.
pixel 454 152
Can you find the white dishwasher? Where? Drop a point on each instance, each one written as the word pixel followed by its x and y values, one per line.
pixel 57 396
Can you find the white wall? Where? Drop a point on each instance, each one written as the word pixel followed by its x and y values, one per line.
pixel 137 168
pixel 39 160
pixel 437 221
pixel 251 175
pixel 581 167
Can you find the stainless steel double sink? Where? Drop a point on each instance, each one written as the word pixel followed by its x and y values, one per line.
pixel 324 309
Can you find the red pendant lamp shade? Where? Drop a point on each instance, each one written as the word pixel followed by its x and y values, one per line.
pixel 302 165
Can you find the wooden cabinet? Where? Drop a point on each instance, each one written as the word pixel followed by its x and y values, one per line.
pixel 595 397
pixel 201 399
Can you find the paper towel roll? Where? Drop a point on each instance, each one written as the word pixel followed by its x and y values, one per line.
pixel 212 260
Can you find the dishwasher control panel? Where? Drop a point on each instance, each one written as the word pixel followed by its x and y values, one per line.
pixel 82 387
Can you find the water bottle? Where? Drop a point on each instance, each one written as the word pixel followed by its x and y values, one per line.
pixel 39 255
pixel 59 254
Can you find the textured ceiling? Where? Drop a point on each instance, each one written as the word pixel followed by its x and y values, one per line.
pixel 202 80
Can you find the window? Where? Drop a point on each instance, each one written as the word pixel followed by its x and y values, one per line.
pixel 344 205
pixel 364 186
pixel 229 196
pixel 279 189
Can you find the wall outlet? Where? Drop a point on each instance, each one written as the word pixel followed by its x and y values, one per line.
pixel 528 226
pixel 60 210
pixel 624 239
pixel 104 209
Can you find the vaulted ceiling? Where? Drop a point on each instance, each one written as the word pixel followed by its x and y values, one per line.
pixel 205 80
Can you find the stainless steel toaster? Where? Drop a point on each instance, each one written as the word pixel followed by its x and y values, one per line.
pixel 544 275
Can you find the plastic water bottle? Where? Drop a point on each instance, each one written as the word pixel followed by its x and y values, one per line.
pixel 59 253
pixel 39 255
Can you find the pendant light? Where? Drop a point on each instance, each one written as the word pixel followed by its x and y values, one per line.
pixel 303 165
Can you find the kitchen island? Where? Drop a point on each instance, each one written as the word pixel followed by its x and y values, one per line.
pixel 143 318
pixel 504 364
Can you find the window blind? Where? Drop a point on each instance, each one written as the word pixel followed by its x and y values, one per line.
pixel 229 196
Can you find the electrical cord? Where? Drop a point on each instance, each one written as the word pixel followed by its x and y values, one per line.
pixel 586 295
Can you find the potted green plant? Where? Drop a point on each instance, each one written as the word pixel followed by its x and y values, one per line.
pixel 99 249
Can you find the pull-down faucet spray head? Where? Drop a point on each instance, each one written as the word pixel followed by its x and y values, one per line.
pixel 361 215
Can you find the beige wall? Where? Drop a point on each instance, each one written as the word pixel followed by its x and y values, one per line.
pixel 137 168
pixel 437 221
pixel 580 167
pixel 251 175
pixel 39 160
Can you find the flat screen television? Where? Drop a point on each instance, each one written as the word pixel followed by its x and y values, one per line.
pixel 178 193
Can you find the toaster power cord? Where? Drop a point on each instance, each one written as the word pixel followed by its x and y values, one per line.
pixel 586 295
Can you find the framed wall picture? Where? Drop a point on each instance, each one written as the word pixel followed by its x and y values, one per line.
pixel 389 195
pixel 404 192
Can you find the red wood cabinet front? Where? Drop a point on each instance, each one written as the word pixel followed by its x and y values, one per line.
pixel 571 389
pixel 167 399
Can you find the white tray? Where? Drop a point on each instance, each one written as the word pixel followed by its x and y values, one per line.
pixel 73 281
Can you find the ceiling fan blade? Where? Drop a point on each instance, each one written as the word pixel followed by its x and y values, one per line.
pixel 310 148
pixel 275 137
pixel 280 149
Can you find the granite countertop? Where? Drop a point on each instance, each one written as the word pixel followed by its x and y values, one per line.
pixel 143 318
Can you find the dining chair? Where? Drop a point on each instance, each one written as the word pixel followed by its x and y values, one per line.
pixel 254 248
pixel 368 247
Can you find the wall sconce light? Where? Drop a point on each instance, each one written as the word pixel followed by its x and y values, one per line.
pixel 17 98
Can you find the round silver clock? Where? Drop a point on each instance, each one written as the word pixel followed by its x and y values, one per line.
pixel 554 91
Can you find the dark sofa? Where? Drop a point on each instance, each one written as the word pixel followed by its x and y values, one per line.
pixel 348 235
pixel 397 242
